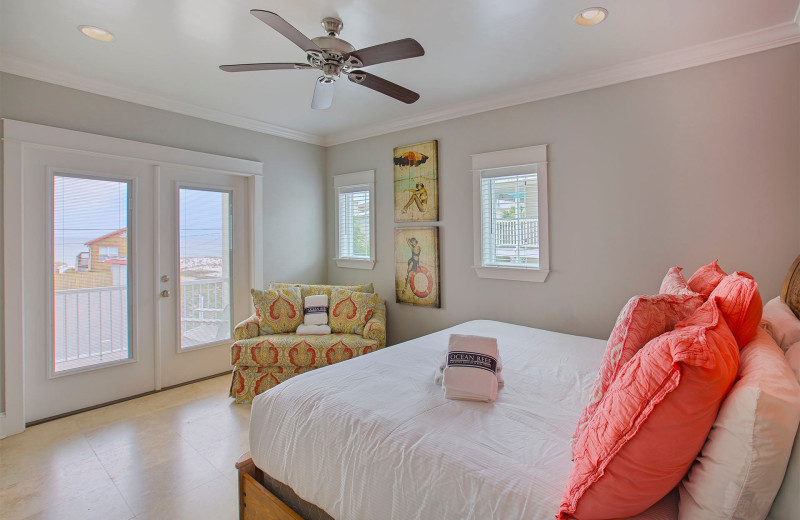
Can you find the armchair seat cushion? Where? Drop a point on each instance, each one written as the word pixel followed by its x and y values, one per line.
pixel 294 350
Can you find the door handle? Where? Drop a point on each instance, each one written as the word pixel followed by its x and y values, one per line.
pixel 165 293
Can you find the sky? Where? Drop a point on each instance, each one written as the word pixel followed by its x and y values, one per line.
pixel 85 209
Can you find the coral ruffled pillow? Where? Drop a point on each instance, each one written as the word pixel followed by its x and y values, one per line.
pixel 278 310
pixel 705 279
pixel 653 420
pixel 675 283
pixel 740 303
pixel 349 311
pixel 642 319
pixel 742 464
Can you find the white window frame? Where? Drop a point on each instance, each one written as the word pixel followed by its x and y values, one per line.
pixel 132 224
pixel 349 180
pixel 512 162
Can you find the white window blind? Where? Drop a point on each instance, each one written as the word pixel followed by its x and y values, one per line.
pixel 354 221
pixel 509 219
pixel 91 319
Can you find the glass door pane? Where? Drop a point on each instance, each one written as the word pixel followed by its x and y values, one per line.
pixel 90 271
pixel 205 241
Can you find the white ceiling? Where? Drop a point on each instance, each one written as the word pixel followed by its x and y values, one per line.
pixel 479 55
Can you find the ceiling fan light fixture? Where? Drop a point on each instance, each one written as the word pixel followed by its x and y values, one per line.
pixel 591 16
pixel 96 33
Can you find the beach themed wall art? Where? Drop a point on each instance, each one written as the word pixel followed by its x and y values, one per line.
pixel 416 259
pixel 416 183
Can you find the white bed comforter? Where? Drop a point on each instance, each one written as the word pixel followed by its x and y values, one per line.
pixel 373 438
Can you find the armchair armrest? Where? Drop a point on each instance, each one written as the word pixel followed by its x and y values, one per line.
pixel 246 329
pixel 376 326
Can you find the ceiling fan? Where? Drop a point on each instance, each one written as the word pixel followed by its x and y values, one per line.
pixel 334 57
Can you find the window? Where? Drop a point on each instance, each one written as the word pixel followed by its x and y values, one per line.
pixel 104 253
pixel 205 243
pixel 355 226
pixel 511 214
pixel 91 304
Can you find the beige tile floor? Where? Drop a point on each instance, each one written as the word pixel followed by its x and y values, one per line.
pixel 169 455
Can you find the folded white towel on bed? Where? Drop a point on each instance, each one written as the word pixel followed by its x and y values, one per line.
pixel 471 371
pixel 439 375
pixel 313 329
pixel 315 310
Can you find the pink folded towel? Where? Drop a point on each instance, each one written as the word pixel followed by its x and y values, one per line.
pixel 471 371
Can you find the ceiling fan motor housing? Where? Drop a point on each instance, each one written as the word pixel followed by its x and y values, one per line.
pixel 332 61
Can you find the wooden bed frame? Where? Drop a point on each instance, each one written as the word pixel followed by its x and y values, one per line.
pixel 257 491
pixel 255 501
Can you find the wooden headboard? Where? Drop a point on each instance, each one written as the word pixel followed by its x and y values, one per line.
pixel 791 288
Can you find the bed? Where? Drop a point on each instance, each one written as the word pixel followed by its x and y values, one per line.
pixel 375 438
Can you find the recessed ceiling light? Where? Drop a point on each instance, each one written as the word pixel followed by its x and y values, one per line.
pixel 591 16
pixel 96 33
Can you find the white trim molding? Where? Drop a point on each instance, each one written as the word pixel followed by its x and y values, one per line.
pixel 759 40
pixel 357 179
pixel 13 420
pixel 748 43
pixel 28 69
pixel 20 139
pixel 504 163
pixel 49 136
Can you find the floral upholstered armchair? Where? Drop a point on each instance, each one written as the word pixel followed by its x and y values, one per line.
pixel 262 358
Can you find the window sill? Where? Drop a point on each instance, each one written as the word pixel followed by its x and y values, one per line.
pixel 512 273
pixel 355 263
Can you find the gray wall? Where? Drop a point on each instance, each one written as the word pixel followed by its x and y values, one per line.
pixel 294 186
pixel 677 169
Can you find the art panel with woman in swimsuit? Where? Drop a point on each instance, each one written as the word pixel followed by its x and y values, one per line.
pixel 416 251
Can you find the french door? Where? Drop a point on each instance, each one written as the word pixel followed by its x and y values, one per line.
pixel 201 217
pixel 134 275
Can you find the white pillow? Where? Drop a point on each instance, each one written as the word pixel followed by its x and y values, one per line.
pixel 742 464
pixel 787 503
pixel 781 323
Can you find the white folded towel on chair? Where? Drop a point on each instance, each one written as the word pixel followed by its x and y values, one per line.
pixel 315 310
pixel 471 371
pixel 313 329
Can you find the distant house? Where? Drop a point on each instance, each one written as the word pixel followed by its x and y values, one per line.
pixel 103 265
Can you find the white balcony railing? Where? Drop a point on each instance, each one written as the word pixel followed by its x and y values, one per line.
pixel 514 232
pixel 205 311
pixel 91 325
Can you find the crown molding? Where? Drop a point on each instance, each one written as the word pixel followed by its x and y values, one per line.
pixel 36 71
pixel 740 45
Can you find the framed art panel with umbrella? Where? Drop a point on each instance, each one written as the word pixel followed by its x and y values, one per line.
pixel 416 182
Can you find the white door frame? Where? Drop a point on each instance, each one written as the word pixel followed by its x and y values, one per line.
pixel 19 137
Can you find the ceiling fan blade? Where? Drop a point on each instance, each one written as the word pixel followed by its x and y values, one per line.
pixel 391 51
pixel 286 29
pixel 383 86
pixel 323 94
pixel 245 67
